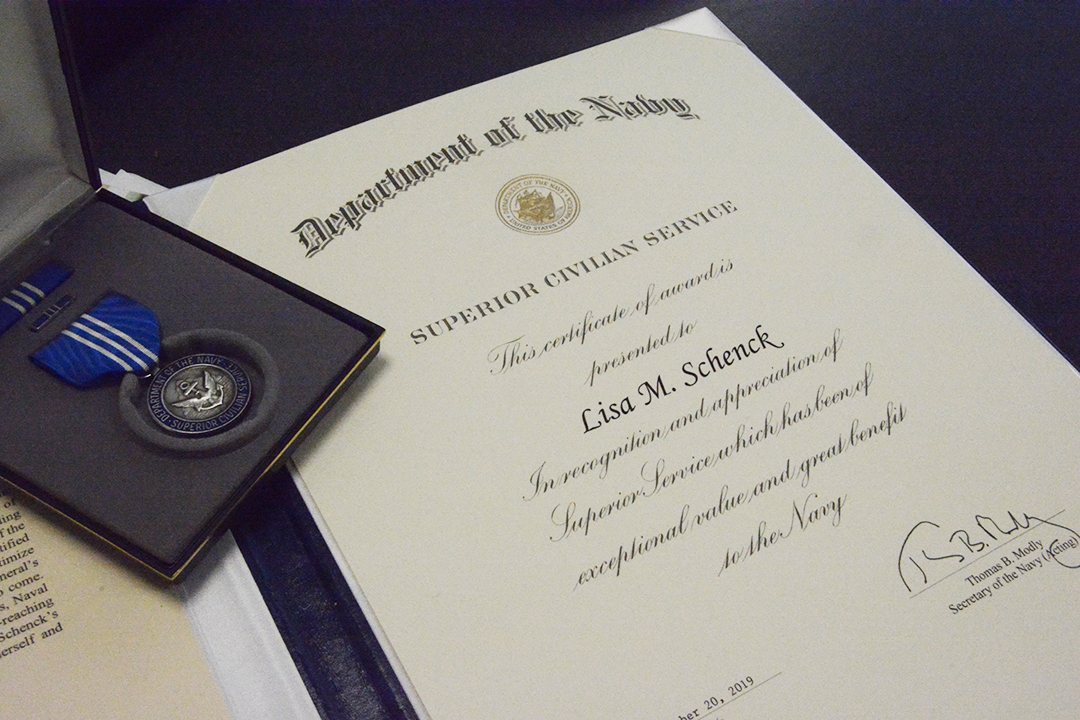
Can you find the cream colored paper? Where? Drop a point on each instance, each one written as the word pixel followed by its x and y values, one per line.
pixel 83 637
pixel 834 506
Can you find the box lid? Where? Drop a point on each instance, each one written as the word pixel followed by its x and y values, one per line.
pixel 43 168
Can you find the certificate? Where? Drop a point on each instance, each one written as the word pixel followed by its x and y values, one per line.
pixel 681 411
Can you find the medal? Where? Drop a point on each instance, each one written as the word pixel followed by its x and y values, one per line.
pixel 199 394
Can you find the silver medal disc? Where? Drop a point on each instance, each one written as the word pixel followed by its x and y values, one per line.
pixel 199 394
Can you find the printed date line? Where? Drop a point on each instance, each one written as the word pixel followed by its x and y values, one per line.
pixel 713 703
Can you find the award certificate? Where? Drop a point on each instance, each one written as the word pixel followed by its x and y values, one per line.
pixel 681 411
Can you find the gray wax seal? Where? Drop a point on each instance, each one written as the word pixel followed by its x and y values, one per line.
pixel 198 394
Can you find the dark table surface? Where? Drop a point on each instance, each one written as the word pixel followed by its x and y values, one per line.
pixel 971 111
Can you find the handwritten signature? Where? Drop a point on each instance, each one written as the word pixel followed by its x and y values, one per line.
pixel 929 554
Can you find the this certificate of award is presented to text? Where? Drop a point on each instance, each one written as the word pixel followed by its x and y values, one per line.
pixel 681 411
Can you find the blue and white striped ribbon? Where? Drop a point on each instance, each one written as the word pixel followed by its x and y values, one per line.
pixel 117 336
pixel 28 293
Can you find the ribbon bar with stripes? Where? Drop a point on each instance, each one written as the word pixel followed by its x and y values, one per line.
pixel 30 292
pixel 117 336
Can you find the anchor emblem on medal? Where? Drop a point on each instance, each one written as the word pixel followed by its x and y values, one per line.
pixel 198 394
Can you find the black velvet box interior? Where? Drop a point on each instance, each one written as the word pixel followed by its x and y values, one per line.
pixel 94 454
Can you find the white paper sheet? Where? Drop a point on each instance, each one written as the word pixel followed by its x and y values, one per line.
pixel 241 641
